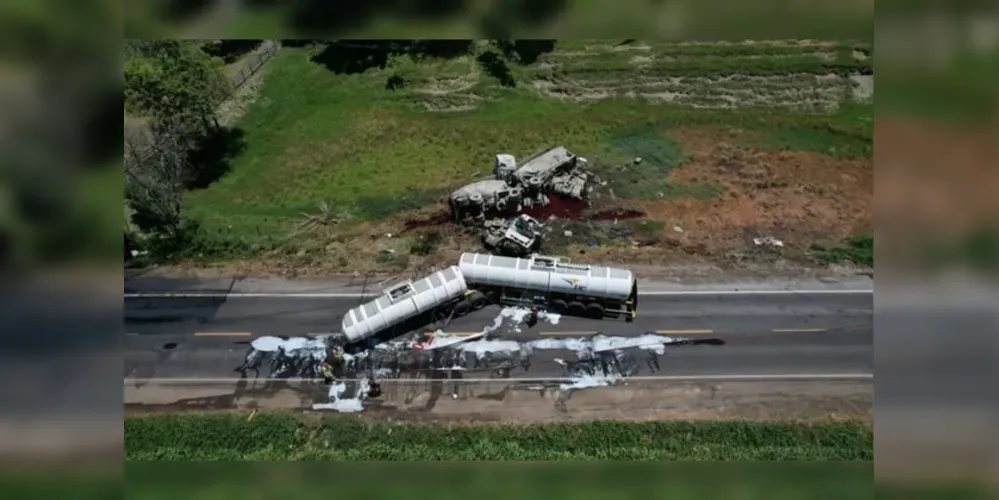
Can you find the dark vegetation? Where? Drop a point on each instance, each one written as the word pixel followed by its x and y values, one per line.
pixel 230 50
pixel 284 436
pixel 857 249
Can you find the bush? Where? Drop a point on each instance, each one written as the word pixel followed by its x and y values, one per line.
pixel 857 249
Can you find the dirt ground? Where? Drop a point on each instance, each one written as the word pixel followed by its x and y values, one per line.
pixel 796 197
pixel 522 404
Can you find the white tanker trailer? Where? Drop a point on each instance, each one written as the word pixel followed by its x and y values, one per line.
pixel 410 305
pixel 582 290
pixel 560 286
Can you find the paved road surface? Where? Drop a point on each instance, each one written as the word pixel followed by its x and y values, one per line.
pixel 767 333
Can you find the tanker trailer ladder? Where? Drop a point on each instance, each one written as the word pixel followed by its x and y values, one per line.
pixel 632 303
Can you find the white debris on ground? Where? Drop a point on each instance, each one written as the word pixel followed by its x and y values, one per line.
pixel 769 241
pixel 590 381
pixel 345 405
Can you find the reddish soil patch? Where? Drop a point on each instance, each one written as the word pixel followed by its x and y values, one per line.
pixel 615 214
pixel 435 220
pixel 796 197
pixel 559 207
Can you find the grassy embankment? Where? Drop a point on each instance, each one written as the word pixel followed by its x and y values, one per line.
pixel 282 436
pixel 735 138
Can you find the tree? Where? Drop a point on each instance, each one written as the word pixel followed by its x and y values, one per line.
pixel 174 80
pixel 154 178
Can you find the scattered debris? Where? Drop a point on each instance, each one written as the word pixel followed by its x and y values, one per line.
pixel 600 360
pixel 769 241
pixel 519 237
pixel 550 176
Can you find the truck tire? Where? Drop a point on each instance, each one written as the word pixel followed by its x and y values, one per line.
pixel 629 317
pixel 462 308
pixel 559 305
pixel 478 300
pixel 576 309
pixel 594 311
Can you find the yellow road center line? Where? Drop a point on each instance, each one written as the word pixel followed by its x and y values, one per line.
pixel 683 332
pixel 552 334
pixel 223 334
pixel 797 330
pixel 462 334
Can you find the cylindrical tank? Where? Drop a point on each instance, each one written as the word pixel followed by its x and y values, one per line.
pixel 546 274
pixel 506 164
pixel 402 302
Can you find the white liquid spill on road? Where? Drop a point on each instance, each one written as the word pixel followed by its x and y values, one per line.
pixel 517 315
pixel 600 361
pixel 481 348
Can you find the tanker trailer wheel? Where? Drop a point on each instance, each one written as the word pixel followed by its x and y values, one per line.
pixel 559 305
pixel 594 311
pixel 576 309
pixel 462 308
pixel 478 300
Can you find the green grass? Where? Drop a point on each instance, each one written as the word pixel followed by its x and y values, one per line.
pixel 496 480
pixel 314 135
pixel 283 436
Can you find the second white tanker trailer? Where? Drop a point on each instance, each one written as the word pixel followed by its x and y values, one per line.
pixel 555 284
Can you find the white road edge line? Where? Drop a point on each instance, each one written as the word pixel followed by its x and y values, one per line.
pixel 650 378
pixel 194 295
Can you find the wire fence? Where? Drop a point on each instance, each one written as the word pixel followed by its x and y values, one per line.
pixel 254 62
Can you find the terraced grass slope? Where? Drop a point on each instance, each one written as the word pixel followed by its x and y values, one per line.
pixel 347 144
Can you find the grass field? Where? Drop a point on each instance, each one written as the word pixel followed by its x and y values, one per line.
pixel 285 436
pixel 486 480
pixel 738 141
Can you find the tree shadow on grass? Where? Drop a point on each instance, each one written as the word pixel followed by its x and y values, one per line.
pixel 525 51
pixel 212 157
pixel 348 57
pixel 494 65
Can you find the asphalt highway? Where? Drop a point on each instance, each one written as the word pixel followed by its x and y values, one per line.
pixel 769 333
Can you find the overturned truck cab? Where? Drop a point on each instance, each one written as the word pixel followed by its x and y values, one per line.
pixel 560 286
